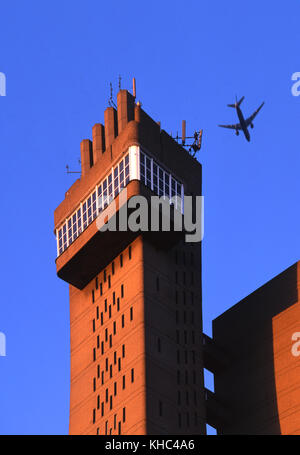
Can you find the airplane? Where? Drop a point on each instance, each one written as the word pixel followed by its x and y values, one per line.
pixel 244 124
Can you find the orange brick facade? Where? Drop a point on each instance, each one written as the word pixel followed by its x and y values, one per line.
pixel 135 299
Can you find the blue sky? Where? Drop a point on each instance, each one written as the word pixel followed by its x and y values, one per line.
pixel 190 59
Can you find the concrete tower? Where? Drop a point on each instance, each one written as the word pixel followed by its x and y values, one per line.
pixel 135 298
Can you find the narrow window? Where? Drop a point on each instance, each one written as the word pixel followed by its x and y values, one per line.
pixel 129 252
pixel 101 318
pixel 123 320
pixel 122 291
pixel 106 364
pixel 104 276
pixel 93 296
pixel 123 351
pixel 113 268
pixel 109 311
pixel 101 289
pixel 97 312
pixel 106 395
pixel 110 341
pixel 115 357
pixel 119 363
pixel 118 304
pixel 114 298
pixel 115 388
pixel 121 260
pixel 160 409
pixel 110 371
pixel 106 334
pixel 110 402
pixel 119 428
pixel 102 409
pixel 94 384
pixel 109 281
pixel 94 415
pixel 124 382
pixel 115 421
pixel 158 345
pixel 98 371
pixel 94 354
pixel 124 414
pixel 195 397
pixel 114 328
pixel 132 374
pixel 105 305
pixel 94 325
pixel 96 283
pixel 102 347
pixel 131 313
pixel 98 402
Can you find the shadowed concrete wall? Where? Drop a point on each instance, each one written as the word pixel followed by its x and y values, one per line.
pixel 260 384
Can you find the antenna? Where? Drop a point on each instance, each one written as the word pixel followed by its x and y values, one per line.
pixel 134 87
pixel 110 100
pixel 120 80
pixel 71 172
pixel 183 131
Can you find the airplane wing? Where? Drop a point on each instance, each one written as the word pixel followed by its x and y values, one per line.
pixel 252 117
pixel 232 127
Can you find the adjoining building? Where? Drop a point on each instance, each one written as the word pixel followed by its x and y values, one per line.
pixel 258 383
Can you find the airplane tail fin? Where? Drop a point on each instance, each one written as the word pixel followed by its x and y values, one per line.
pixel 237 103
pixel 241 100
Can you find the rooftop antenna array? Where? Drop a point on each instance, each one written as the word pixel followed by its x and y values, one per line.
pixel 194 146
